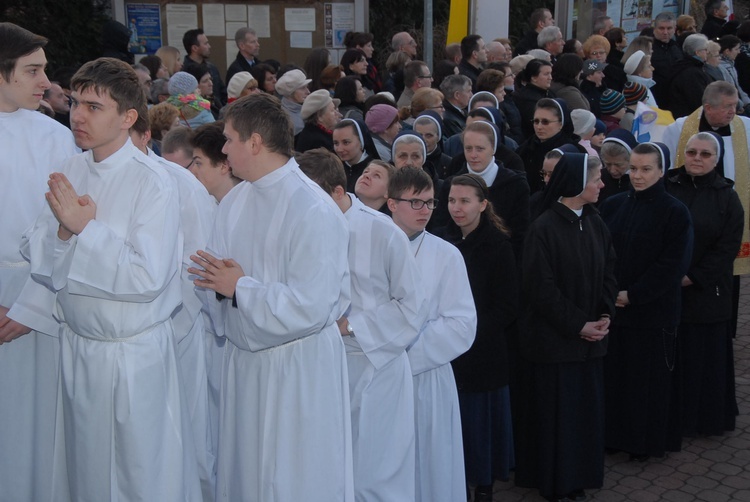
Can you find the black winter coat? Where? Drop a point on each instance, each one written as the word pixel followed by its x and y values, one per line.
pixel 509 195
pixel 613 186
pixel 594 95
pixel 689 80
pixel 718 219
pixel 532 153
pixel 453 120
pixel 491 267
pixel 527 43
pixel 312 136
pixel 239 64
pixel 652 233
pixel 663 58
pixel 568 280
pixel 712 27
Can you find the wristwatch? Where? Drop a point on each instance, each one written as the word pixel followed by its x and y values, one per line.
pixel 349 330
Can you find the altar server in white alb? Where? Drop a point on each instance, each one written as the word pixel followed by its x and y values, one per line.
pixel 387 309
pixel 278 256
pixel 110 247
pixel 197 209
pixel 447 333
pixel 33 146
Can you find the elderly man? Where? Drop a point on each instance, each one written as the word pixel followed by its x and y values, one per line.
pixel 496 52
pixel 416 76
pixel 247 56
pixel 719 114
pixel 551 40
pixel 689 79
pixel 403 42
pixel 457 92
pixel 664 54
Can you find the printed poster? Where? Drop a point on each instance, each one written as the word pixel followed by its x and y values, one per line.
pixel 144 22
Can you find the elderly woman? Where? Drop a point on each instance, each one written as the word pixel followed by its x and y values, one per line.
pixel 430 126
pixel 598 48
pixel 653 238
pixel 194 110
pixel 553 127
pixel 532 84
pixel 162 118
pixel 689 79
pixel 292 87
pixel 320 113
pixel 708 400
pixel 569 290
pixel 384 125
pixel 639 70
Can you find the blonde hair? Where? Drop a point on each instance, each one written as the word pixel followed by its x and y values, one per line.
pixel 422 100
pixel 169 56
pixel 595 41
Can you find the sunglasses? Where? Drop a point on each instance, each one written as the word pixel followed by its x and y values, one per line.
pixel 703 154
pixel 544 122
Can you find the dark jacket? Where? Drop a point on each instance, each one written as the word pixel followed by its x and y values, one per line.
pixel 689 80
pixel 313 136
pixel 239 64
pixel 512 118
pixel 437 162
pixel 652 234
pixel 568 280
pixel 353 172
pixel 613 186
pixel 454 120
pixel 615 76
pixel 527 43
pixel 509 195
pixel 115 40
pixel 493 279
pixel 742 65
pixel 469 70
pixel 663 58
pixel 718 219
pixel 712 27
pixel 594 96
pixel 525 99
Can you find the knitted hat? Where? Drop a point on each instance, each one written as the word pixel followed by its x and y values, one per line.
pixel 583 121
pixel 237 83
pixel 182 83
pixel 592 65
pixel 380 117
pixel 600 127
pixel 611 102
pixel 634 92
pixel 315 102
pixel 291 81
pixel 633 61
pixel 623 137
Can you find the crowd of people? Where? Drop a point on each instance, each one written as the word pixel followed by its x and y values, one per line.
pixel 338 282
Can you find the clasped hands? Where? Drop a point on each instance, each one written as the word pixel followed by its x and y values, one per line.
pixel 220 275
pixel 72 211
pixel 593 331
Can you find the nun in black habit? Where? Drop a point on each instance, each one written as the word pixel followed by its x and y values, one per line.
pixel 353 144
pixel 569 291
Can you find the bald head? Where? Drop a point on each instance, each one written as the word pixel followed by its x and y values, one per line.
pixel 404 42
pixel 495 52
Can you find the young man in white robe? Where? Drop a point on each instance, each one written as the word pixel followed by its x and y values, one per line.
pixel 110 245
pixel 33 146
pixel 447 333
pixel 277 261
pixel 387 309
pixel 197 210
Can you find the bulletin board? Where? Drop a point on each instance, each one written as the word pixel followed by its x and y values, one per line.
pixel 630 15
pixel 287 31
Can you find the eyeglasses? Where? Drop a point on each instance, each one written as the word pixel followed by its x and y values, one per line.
pixel 544 122
pixel 417 204
pixel 438 107
pixel 703 154
pixel 425 76
pixel 598 53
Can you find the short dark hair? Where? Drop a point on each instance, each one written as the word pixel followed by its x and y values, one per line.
pixel 142 124
pixel 190 38
pixel 711 6
pixel 210 139
pixel 16 42
pixel 153 63
pixel 197 70
pixel 490 80
pixel 729 42
pixel 537 17
pixel 346 90
pixel 469 44
pixel 324 168
pixel 354 39
pixel 114 77
pixel 351 56
pixel 567 68
pixel 262 114
pixel 178 138
pixel 743 32
pixel 614 35
pixel 412 71
pixel 414 178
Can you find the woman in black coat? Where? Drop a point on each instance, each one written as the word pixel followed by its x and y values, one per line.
pixel 532 84
pixel 706 353
pixel 553 128
pixel 653 237
pixel 482 372
pixel 569 291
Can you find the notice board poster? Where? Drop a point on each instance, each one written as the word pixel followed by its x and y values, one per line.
pixel 144 22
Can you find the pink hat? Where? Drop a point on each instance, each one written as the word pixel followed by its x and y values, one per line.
pixel 380 117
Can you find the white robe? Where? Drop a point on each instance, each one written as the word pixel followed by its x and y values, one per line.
pixel 671 138
pixel 285 431
pixel 387 309
pixel 32 146
pixel 197 209
pixel 127 431
pixel 448 332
